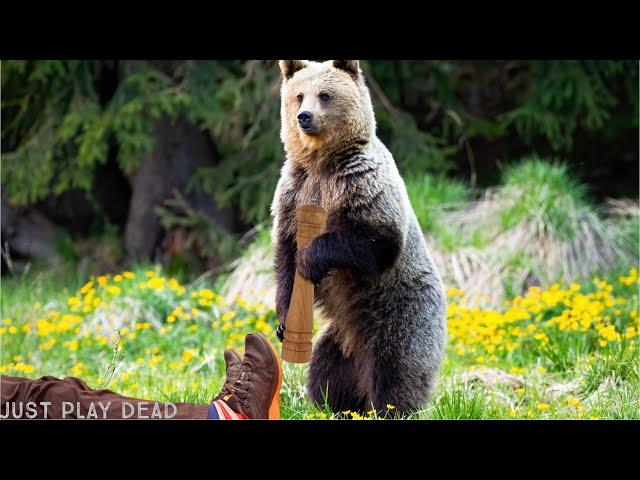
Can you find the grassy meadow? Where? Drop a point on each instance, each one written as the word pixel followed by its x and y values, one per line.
pixel 567 349
pixel 567 352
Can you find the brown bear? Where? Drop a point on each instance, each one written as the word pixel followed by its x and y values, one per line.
pixel 376 283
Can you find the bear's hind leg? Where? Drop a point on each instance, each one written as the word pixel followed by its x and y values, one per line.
pixel 397 385
pixel 332 377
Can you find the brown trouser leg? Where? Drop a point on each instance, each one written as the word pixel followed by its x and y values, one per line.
pixel 50 397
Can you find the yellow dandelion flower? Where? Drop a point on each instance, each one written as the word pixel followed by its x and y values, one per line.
pixel 87 287
pixel 113 290
pixel 207 294
pixel 156 283
pixel 454 292
pixel 189 354
pixel 48 344
pixel 78 369
pixel 574 402
pixel 228 316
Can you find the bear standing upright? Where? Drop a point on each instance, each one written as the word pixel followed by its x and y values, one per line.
pixel 375 281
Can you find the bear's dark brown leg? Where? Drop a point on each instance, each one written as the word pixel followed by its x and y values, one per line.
pixel 332 377
pixel 388 386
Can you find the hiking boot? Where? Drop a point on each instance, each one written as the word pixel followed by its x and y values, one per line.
pixel 234 361
pixel 256 391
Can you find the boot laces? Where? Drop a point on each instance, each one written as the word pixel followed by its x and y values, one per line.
pixel 227 389
pixel 241 387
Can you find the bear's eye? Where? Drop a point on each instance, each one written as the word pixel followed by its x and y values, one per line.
pixel 300 97
pixel 325 97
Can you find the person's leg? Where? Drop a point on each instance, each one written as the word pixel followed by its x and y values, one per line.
pixel 51 397
pixel 252 390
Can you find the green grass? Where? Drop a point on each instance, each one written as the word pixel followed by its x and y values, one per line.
pixel 543 194
pixel 433 198
pixel 539 221
pixel 429 195
pixel 136 343
pixel 181 361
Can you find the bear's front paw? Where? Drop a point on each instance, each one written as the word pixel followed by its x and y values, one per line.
pixel 307 268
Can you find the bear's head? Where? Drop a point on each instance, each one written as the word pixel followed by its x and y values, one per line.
pixel 324 106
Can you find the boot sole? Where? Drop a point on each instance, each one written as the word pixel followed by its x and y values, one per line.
pixel 274 408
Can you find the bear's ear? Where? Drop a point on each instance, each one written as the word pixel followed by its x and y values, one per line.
pixel 289 67
pixel 352 67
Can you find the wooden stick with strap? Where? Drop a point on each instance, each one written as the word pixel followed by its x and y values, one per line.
pixel 296 346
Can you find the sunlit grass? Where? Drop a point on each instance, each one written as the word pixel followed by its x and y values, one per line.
pixel 431 197
pixel 570 351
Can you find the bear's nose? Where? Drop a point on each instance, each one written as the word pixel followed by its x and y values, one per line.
pixel 304 119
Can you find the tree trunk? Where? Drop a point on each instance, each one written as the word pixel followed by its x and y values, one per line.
pixel 180 148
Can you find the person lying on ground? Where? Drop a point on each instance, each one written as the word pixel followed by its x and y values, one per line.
pixel 251 391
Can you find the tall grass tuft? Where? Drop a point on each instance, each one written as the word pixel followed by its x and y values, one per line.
pixel 539 220
pixel 543 211
pixel 543 196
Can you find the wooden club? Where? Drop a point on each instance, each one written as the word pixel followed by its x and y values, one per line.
pixel 296 346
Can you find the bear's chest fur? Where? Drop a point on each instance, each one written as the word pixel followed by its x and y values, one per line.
pixel 319 189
